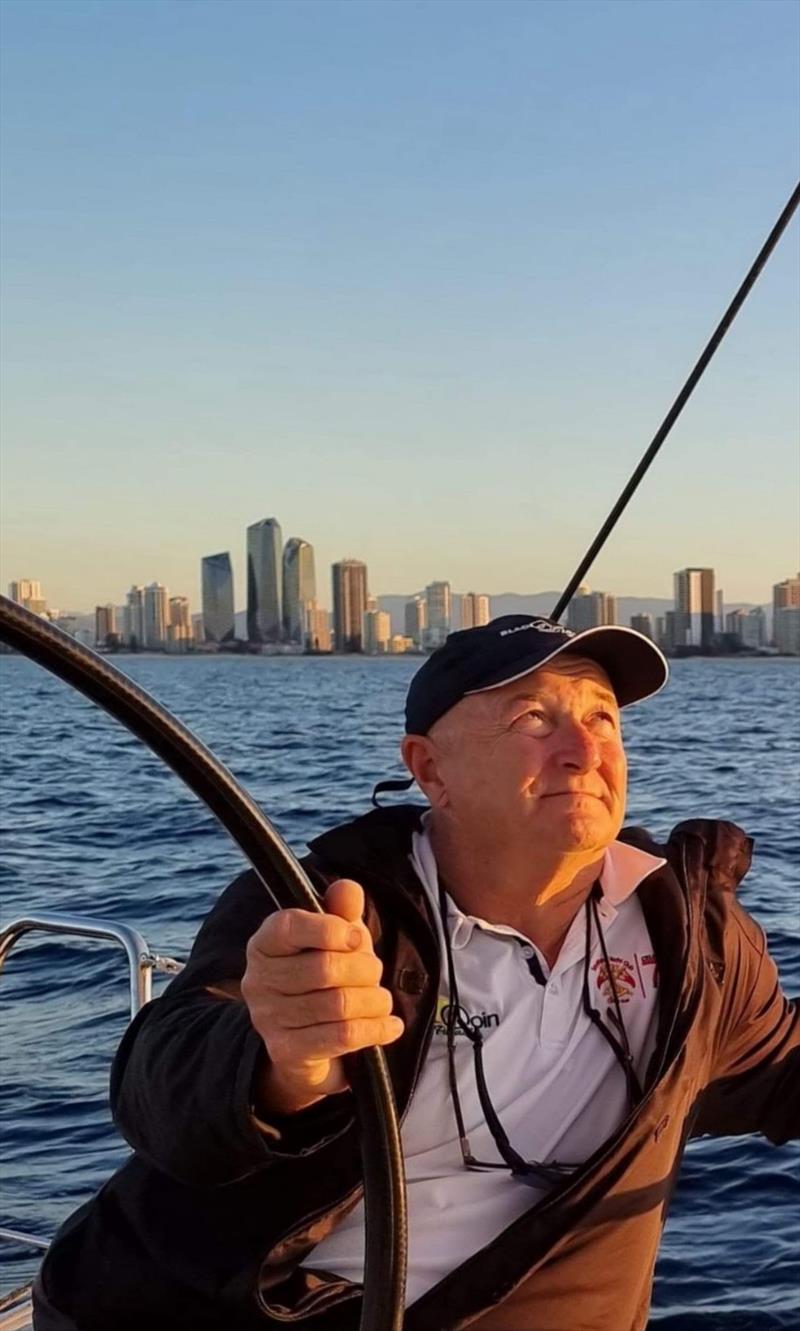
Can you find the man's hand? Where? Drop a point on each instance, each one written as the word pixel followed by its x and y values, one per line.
pixel 312 985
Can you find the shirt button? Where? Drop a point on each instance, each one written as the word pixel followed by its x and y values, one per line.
pixel 555 987
pixel 527 951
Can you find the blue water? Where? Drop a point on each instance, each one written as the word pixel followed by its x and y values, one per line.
pixel 93 823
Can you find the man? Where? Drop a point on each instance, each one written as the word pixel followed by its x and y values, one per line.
pixel 562 1006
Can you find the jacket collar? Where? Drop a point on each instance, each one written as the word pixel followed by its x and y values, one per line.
pixel 377 841
pixel 702 856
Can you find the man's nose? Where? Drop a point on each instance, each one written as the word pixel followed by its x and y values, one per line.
pixel 578 750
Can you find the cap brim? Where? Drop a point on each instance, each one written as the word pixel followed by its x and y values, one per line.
pixel 636 667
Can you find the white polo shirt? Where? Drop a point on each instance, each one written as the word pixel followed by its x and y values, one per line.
pixel 557 1086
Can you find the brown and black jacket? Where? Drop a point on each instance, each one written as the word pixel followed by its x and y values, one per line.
pixel 207 1224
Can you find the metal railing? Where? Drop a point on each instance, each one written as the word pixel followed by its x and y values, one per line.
pixel 142 963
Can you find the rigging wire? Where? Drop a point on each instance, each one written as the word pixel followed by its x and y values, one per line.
pixel 677 406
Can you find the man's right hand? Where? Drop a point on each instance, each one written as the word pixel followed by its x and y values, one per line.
pixel 312 985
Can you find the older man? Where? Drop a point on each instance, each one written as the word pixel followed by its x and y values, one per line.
pixel 563 1004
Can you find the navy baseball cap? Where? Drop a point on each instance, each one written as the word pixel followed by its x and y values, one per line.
pixel 476 660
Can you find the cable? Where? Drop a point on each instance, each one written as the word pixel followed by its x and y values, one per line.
pixel 678 405
pixel 288 885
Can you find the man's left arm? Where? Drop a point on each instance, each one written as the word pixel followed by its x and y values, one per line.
pixel 755 1085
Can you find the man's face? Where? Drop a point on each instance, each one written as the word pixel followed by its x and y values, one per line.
pixel 540 758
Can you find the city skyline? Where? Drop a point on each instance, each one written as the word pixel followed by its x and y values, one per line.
pixel 440 317
pixel 88 606
pixel 698 618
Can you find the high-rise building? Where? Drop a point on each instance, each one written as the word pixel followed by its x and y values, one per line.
pixel 133 619
pixel 156 616
pixel 589 610
pixel 349 604
pixel 299 587
pixel 264 581
pixel 719 605
pixel 437 598
pixel 219 624
pixel 695 608
pixel 474 610
pixel 317 628
pixel 179 627
pixel 785 596
pixel 439 612
pixel 179 613
pixel 643 624
pixel 749 627
pixel 377 631
pixel 25 590
pixel 105 624
pixel 786 629
pixel 416 619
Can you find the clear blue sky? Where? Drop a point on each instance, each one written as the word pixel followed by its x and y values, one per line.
pixel 420 279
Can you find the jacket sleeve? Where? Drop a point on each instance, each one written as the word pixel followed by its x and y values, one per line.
pixel 755 1084
pixel 182 1080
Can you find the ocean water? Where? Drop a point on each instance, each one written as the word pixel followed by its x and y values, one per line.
pixel 95 824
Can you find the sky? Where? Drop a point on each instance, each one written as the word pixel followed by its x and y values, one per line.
pixel 419 279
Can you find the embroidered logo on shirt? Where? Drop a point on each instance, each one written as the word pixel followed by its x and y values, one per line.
pixel 477 1021
pixel 624 979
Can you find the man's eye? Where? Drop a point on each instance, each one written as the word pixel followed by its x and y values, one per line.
pixel 605 717
pixel 534 715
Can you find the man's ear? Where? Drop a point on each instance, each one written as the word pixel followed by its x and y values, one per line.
pixel 422 759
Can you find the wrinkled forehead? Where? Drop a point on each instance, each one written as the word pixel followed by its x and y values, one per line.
pixel 567 675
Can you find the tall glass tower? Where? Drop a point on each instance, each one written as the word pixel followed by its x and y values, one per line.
pixel 218 615
pixel 349 604
pixel 299 587
pixel 264 600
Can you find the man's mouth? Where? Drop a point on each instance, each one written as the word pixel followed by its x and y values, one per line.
pixel 572 794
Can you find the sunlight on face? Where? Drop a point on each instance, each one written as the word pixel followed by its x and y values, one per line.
pixel 541 758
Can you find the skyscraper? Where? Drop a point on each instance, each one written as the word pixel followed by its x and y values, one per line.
pixel 134 617
pixel 785 596
pixel 299 587
pixel 377 631
pixel 349 604
pixel 643 624
pixel 786 615
pixel 317 628
pixel 589 610
pixel 264 578
pixel 179 625
pixel 787 630
pixel 105 623
pixel 156 615
pixel 695 607
pixel 748 626
pixel 474 610
pixel 416 619
pixel 439 611
pixel 219 624
pixel 24 590
pixel 28 593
